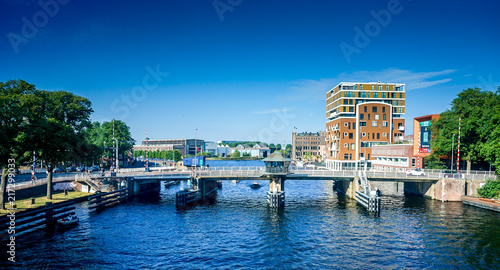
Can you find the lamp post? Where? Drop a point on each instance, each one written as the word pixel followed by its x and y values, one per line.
pixel 452 145
pixel 117 157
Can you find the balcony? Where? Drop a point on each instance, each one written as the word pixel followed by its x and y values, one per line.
pixel 401 128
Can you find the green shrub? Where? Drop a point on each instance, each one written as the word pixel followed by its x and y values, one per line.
pixel 490 190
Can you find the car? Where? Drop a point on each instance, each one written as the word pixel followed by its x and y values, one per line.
pixel 80 169
pixel 57 170
pixel 94 168
pixel 416 172
pixel 71 169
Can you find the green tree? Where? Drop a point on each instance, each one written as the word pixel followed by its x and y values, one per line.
pixel 236 154
pixel 288 147
pixel 177 155
pixel 102 135
pixel 272 146
pixel 278 146
pixel 433 162
pixel 12 126
pixel 476 109
pixel 56 127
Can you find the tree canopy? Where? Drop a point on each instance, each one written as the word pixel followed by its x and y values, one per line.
pixel 480 127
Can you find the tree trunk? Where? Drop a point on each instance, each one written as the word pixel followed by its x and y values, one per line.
pixel 49 182
pixel 3 185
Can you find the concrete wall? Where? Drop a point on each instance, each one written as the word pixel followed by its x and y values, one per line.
pixel 35 191
pixel 445 189
pixel 348 186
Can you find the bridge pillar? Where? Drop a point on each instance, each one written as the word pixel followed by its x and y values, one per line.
pixel 348 186
pixel 276 193
pixel 208 188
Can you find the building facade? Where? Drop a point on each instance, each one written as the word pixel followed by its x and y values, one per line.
pixel 359 116
pixel 422 137
pixel 307 143
pixel 393 157
pixel 185 146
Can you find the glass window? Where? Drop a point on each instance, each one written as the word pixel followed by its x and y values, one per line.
pixel 346 156
pixel 363 134
pixel 374 123
pixel 380 87
pixel 375 95
pixel 361 116
pixel 400 109
pixel 353 146
pixel 373 87
pixel 360 87
pixel 384 123
pixel 374 109
pixel 383 109
pixel 351 136
pixel 365 109
pixel 378 136
pixel 384 134
pixel 368 116
pixel 362 124
pixel 384 117
pixel 383 95
pixel 376 117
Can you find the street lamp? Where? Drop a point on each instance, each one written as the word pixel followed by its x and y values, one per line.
pixel 117 157
pixel 452 145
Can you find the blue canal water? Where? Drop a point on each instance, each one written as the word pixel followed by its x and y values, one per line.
pixel 317 229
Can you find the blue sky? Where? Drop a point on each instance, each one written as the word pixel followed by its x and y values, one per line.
pixel 241 69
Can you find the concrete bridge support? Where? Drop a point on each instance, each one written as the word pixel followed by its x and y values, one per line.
pixel 137 187
pixel 276 193
pixel 348 186
pixel 445 189
pixel 207 187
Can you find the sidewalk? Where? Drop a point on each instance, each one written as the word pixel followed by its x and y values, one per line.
pixel 482 203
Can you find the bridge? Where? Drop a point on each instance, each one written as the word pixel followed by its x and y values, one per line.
pixel 433 184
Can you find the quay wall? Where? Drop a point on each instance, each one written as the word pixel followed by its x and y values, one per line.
pixel 445 189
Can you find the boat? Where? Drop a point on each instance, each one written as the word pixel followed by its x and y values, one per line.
pixel 255 185
pixel 70 220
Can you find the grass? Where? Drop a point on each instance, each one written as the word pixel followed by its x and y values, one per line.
pixel 41 200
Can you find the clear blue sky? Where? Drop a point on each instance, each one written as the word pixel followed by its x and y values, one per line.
pixel 250 69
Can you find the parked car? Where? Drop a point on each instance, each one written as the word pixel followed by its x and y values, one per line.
pixel 80 169
pixel 416 172
pixel 451 174
pixel 57 170
pixel 71 169
pixel 94 168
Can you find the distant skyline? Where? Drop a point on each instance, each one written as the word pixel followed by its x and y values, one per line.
pixel 246 70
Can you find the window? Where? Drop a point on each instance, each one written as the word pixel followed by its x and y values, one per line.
pixel 350 101
pixel 363 134
pixel 353 146
pixel 384 134
pixel 349 125
pixel 345 134
pixel 374 109
pixel 413 161
pixel 378 136
pixel 368 156
pixel 365 108
pixel 351 136
pixel 363 94
pixel 384 123
pixel 345 124
pixel 384 117
pixel 376 117
pixel 374 123
pixel 346 156
pixel 362 124
pixel 400 109
pixel 345 101
pixel 375 95
pixel 350 156
pixel 380 87
pixel 373 87
pixel 355 87
pixel 383 109
pixel 351 109
pixel 383 95
pixel 353 125
pixel 346 145
pixel 368 116
pixel 400 95
pixel 361 116
pixel 360 87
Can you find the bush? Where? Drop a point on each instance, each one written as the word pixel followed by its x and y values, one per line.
pixel 490 190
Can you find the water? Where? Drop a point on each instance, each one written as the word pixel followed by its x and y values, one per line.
pixel 317 229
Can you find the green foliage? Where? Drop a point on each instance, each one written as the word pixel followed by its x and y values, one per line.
pixel 246 154
pixel 288 147
pixel 433 162
pixel 490 190
pixel 236 154
pixel 278 146
pixel 101 135
pixel 480 129
pixel 272 145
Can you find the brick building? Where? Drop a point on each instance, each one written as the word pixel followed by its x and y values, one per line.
pixel 359 116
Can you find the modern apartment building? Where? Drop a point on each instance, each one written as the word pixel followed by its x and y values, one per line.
pixel 422 137
pixel 359 116
pixel 185 146
pixel 307 143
